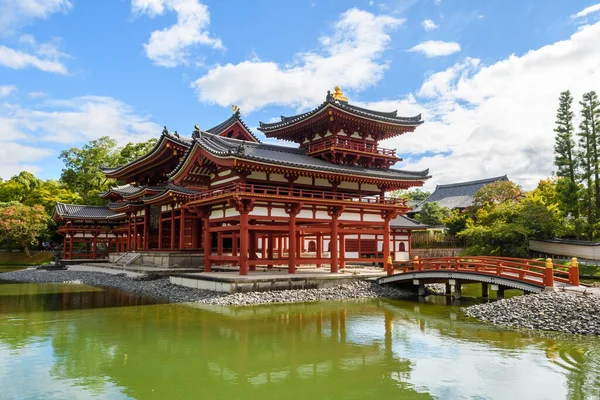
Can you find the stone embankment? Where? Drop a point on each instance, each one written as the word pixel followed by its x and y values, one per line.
pixel 551 311
pixel 162 289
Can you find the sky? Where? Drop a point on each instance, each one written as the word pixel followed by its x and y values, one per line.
pixel 485 75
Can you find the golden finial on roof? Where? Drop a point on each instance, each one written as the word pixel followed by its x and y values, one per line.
pixel 338 95
pixel 234 109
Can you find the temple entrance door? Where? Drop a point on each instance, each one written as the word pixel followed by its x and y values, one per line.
pixel 153 227
pixel 312 246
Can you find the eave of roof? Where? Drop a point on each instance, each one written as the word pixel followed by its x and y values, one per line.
pixel 223 126
pixel 385 117
pixel 287 156
pixel 77 211
pixel 165 136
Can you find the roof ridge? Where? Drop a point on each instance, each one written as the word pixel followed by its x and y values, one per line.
pixel 468 183
pixel 79 205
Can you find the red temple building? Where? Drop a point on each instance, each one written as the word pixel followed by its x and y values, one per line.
pixel 221 197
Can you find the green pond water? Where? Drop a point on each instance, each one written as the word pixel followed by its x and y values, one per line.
pixel 62 341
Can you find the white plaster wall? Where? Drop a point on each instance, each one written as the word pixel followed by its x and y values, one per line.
pixel 350 216
pixel 401 256
pixel 322 215
pixel 278 212
pixel 349 185
pixel 230 179
pixel 258 175
pixel 322 182
pixel 304 180
pixel 305 214
pixel 351 254
pixel 225 172
pixel 277 178
pixel 370 187
pixel 231 212
pixel 372 218
pixel 260 211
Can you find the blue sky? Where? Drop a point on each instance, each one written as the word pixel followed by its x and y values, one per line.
pixel 485 75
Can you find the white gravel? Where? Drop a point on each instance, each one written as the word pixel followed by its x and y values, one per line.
pixel 551 311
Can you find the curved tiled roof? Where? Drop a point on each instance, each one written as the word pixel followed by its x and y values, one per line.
pixel 457 195
pixel 123 190
pixel 386 117
pixel 171 187
pixel 186 142
pixel 404 222
pixel 292 157
pixel 76 211
pixel 236 117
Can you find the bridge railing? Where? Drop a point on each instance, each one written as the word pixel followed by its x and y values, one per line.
pixel 536 272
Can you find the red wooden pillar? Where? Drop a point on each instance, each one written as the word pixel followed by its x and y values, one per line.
pixel 147 228
pixel 128 246
pixel 135 232
pixel 292 244
pixel 234 243
pixel 263 247
pixel 342 252
pixel 182 228
pixel 280 247
pixel 206 238
pixel 94 245
pixel 394 247
pixel 386 240
pixel 334 242
pixel 319 248
pixel 71 245
pixel 271 244
pixel 66 237
pixel 220 243
pixel 173 228
pixel 252 248
pixel 243 242
pixel 160 231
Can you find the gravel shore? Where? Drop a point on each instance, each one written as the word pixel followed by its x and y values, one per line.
pixel 162 289
pixel 550 311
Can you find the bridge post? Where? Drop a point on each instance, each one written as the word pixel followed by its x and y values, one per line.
pixel 574 272
pixel 549 274
pixel 485 290
pixel 457 291
pixel 416 263
pixel 500 293
pixel 448 289
pixel 389 266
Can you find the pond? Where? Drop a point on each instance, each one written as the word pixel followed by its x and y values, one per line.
pixel 62 341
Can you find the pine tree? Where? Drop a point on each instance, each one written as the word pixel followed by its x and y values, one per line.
pixel 588 157
pixel 564 147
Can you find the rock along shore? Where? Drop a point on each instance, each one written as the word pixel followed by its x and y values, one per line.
pixel 164 290
pixel 550 311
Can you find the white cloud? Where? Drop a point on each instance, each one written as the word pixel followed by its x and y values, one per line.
pixel 351 57
pixel 587 11
pixel 429 25
pixel 490 120
pixel 46 57
pixel 171 46
pixel 37 95
pixel 28 132
pixel 7 90
pixel 15 13
pixel 436 48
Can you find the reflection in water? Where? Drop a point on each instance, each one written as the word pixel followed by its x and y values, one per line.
pixel 59 340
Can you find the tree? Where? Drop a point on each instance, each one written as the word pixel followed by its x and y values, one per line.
pixel 588 158
pixel 49 193
pixel 413 194
pixel 82 172
pixel 22 225
pixel 497 193
pixel 432 214
pixel 564 145
pixel 457 221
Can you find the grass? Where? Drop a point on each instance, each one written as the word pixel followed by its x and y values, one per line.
pixel 11 259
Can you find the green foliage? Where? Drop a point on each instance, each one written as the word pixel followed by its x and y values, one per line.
pixel 432 214
pixel 412 194
pixel 21 225
pixel 82 172
pixel 457 221
pixel 564 145
pixel 497 193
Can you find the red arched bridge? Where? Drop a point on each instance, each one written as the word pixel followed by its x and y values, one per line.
pixel 531 276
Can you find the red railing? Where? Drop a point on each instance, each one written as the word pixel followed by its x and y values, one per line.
pixel 543 273
pixel 262 190
pixel 350 145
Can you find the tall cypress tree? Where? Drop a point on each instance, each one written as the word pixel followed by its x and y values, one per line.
pixel 564 145
pixel 588 156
